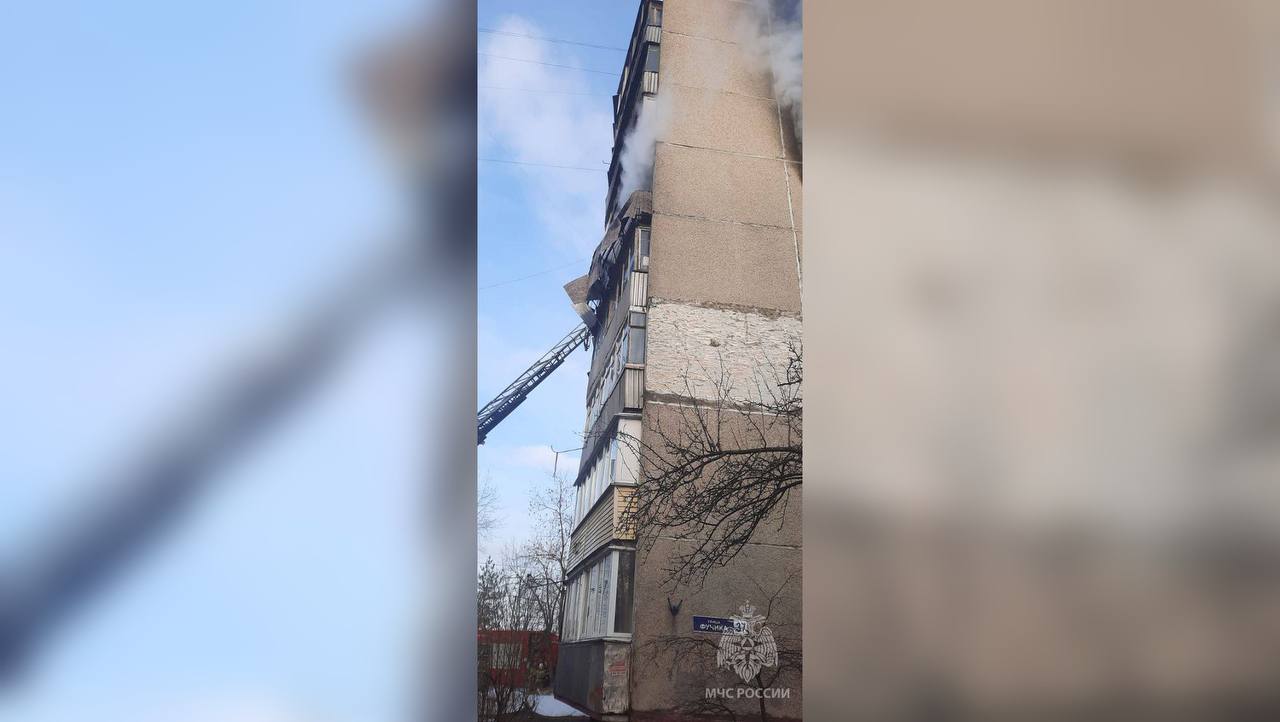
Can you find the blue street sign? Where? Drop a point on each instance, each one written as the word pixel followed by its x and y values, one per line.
pixel 715 625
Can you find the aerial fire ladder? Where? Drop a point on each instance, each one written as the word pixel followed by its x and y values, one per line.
pixel 511 397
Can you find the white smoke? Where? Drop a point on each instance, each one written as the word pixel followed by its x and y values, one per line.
pixel 638 147
pixel 777 37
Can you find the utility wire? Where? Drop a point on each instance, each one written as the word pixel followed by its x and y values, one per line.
pixel 542 165
pixel 534 275
pixel 546 92
pixel 552 65
pixel 551 40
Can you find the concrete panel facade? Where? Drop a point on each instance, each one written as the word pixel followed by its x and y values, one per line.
pixel 713 64
pixel 692 349
pixel 724 20
pixel 720 186
pixel 725 121
pixel 698 260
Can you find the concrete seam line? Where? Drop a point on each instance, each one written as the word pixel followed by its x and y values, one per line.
pixel 671 84
pixel 726 221
pixel 750 543
pixel 693 406
pixel 732 152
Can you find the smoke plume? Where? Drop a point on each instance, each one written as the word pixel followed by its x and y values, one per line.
pixel 778 38
pixel 638 147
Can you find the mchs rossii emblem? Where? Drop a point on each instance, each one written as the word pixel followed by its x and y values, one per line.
pixel 749 646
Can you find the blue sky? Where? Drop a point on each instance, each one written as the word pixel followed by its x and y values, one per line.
pixel 175 180
pixel 535 218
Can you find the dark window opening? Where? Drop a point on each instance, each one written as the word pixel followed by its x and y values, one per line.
pixel 622 615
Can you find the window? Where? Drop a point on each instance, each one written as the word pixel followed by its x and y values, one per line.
pixel 593 578
pixel 609 376
pixel 599 601
pixel 642 248
pixel 614 463
pixel 613 460
pixel 651 59
pixel 604 471
pixel 623 615
pixel 636 350
pixel 655 15
pixel 604 602
pixel 638 253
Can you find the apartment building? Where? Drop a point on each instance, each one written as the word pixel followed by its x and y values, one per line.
pixel 697 276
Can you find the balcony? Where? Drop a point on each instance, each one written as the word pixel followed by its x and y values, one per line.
pixel 606 522
pixel 639 79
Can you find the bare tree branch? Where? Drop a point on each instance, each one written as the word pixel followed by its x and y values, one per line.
pixel 486 508
pixel 725 467
pixel 684 652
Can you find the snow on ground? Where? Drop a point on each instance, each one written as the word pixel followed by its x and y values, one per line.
pixel 548 706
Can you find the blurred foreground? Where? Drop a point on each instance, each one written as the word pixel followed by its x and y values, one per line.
pixel 207 325
pixel 1042 315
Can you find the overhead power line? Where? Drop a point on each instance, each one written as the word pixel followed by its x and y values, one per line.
pixel 551 40
pixel 536 90
pixel 534 275
pixel 551 65
pixel 542 165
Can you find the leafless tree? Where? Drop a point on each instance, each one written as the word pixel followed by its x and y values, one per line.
pixel 541 564
pixel 725 467
pixel 486 508
pixel 504 606
pixel 523 592
pixel 546 551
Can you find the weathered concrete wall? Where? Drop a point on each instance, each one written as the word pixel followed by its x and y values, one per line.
pixel 697 259
pixel 691 349
pixel 615 690
pixel 753 427
pixel 727 175
pixel 674 666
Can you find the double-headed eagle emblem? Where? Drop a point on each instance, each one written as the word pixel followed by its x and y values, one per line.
pixel 749 646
